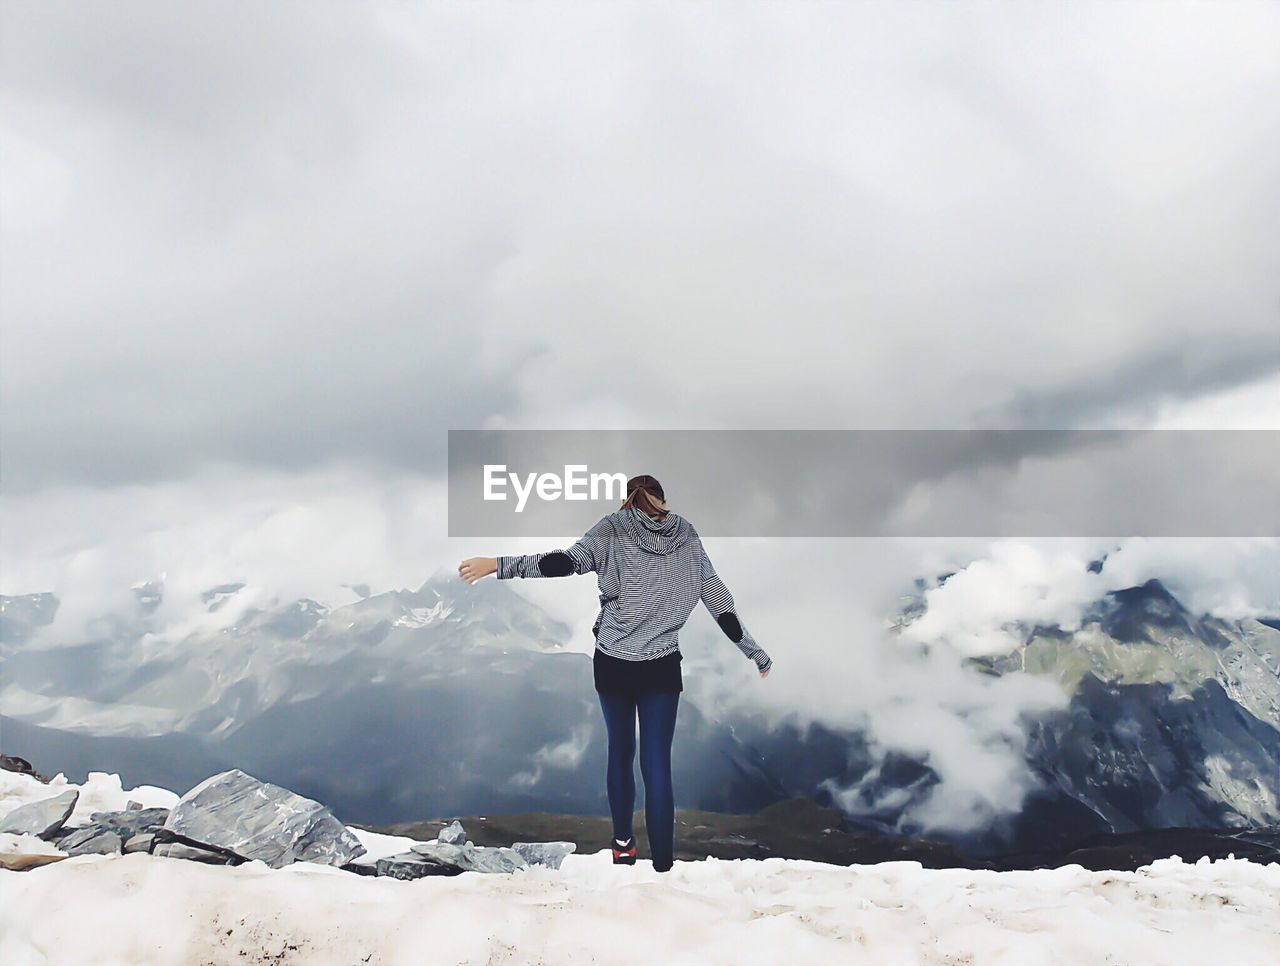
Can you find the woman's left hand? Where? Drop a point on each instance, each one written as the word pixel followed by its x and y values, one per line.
pixel 477 568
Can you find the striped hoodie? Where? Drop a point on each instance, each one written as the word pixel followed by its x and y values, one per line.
pixel 651 574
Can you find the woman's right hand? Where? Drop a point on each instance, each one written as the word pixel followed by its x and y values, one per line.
pixel 477 568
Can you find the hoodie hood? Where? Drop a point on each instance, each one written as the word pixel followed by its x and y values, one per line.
pixel 656 536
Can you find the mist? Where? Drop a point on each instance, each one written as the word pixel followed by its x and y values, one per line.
pixel 258 262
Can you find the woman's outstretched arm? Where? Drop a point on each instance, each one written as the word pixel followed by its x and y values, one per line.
pixel 718 600
pixel 583 557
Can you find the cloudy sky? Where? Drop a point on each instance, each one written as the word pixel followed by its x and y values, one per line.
pixel 256 260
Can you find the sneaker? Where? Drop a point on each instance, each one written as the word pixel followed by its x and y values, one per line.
pixel 624 853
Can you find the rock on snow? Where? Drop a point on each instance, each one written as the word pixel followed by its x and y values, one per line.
pixel 41 818
pixel 258 820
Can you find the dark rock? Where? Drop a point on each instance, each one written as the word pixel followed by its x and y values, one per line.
pixel 21 766
pixel 257 820
pixel 131 822
pixel 452 834
pixel 471 858
pixel 193 853
pixel 91 840
pixel 1129 851
pixel 44 818
pixel 139 843
pixel 411 865
pixel 1140 757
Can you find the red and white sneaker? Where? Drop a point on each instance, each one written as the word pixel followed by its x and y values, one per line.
pixel 624 853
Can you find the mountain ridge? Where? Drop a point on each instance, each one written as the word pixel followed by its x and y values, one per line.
pixel 431 699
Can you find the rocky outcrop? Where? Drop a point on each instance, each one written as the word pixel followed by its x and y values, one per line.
pixel 142 842
pixel 451 853
pixel 21 766
pixel 91 840
pixel 131 821
pixel 452 834
pixel 44 818
pixel 108 833
pixel 173 849
pixel 411 865
pixel 471 858
pixel 233 812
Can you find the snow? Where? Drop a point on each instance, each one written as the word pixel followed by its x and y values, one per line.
pixel 422 616
pixel 11 844
pixel 378 846
pixel 143 909
pixel 99 793
pixel 82 716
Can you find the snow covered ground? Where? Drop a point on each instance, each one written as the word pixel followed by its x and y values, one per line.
pixel 144 909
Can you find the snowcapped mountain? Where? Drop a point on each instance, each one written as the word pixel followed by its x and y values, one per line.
pixel 459 700
pixel 137 677
pixel 438 699
pixel 1174 720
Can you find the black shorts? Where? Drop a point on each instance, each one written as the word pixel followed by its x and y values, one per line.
pixel 638 677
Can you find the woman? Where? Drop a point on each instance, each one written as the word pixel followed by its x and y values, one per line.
pixel 652 571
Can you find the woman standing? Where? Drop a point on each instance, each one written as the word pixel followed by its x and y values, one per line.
pixel 652 571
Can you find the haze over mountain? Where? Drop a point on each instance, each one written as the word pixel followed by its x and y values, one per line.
pixel 445 699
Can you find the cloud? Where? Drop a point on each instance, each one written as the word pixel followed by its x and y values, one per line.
pixel 986 607
pixel 817 606
pixel 290 235
pixel 258 260
pixel 978 610
pixel 561 755
pixel 282 534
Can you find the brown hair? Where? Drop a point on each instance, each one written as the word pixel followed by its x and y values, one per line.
pixel 641 492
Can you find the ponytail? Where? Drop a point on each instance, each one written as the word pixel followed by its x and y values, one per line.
pixel 642 492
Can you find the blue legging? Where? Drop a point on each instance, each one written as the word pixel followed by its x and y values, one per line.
pixel 657 713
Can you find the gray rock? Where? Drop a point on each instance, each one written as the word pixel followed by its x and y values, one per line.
pixel 91 840
pixel 139 843
pixel 411 865
pixel 177 850
pixel 489 859
pixel 471 858
pixel 44 818
pixel 439 851
pixel 452 834
pixel 131 822
pixel 258 820
pixel 549 854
